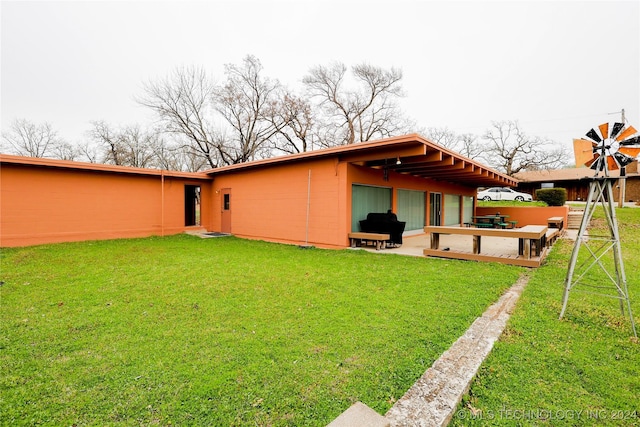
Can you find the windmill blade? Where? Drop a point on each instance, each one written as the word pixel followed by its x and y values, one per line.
pixel 625 133
pixel 623 159
pixel 604 130
pixel 597 163
pixel 631 141
pixel 617 127
pixel 612 163
pixel 583 151
pixel 630 151
pixel 594 135
pixel 599 152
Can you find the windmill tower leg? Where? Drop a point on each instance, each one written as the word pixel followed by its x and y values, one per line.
pixel 623 291
pixel 610 214
pixel 600 190
pixel 586 217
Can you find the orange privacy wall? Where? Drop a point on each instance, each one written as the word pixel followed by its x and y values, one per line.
pixel 527 215
pixel 45 204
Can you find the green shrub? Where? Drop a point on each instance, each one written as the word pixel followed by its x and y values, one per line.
pixel 552 196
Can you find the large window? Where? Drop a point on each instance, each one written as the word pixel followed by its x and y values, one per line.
pixel 435 214
pixel 451 209
pixel 411 208
pixel 467 208
pixel 365 199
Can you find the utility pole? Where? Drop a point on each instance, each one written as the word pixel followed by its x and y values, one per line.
pixel 622 180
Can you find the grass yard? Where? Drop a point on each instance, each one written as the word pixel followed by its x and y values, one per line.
pixel 583 370
pixel 188 331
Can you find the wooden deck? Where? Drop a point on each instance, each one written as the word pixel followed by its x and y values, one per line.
pixel 532 244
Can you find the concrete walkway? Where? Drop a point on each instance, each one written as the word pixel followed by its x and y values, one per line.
pixel 433 399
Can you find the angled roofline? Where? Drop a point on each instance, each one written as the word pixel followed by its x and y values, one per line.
pixel 320 153
pixel 97 167
pixel 413 145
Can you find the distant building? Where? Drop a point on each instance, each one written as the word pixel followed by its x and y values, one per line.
pixel 576 182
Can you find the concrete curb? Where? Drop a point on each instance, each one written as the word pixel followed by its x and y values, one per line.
pixel 432 400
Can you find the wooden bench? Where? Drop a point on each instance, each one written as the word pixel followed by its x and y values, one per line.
pixel 556 222
pixel 378 239
pixel 551 236
pixel 531 242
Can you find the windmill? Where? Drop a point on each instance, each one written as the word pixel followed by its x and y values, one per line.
pixel 605 149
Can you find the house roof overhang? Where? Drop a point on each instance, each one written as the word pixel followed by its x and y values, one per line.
pixel 409 154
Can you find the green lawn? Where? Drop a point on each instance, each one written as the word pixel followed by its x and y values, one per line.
pixel 510 203
pixel 188 331
pixel 582 370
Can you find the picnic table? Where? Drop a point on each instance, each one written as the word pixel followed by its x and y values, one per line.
pixel 490 221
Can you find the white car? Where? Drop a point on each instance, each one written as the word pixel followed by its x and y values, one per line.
pixel 503 193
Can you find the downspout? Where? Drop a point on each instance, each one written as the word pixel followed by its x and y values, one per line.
pixel 162 203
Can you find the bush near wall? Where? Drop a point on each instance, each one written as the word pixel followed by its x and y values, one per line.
pixel 552 196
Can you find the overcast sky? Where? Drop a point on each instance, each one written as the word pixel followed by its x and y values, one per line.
pixel 559 68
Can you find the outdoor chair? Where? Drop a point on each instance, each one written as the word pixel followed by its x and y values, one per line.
pixel 384 223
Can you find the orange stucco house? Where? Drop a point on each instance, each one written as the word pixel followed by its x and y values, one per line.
pixel 315 198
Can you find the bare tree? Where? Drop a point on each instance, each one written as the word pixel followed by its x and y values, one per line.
pixel 510 150
pixel 246 101
pixel 178 157
pixel 350 116
pixel 26 138
pixel 443 136
pixel 65 151
pixel 466 144
pixel 469 146
pixel 89 152
pixel 183 102
pixel 114 151
pixel 140 146
pixel 292 116
pixel 128 146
